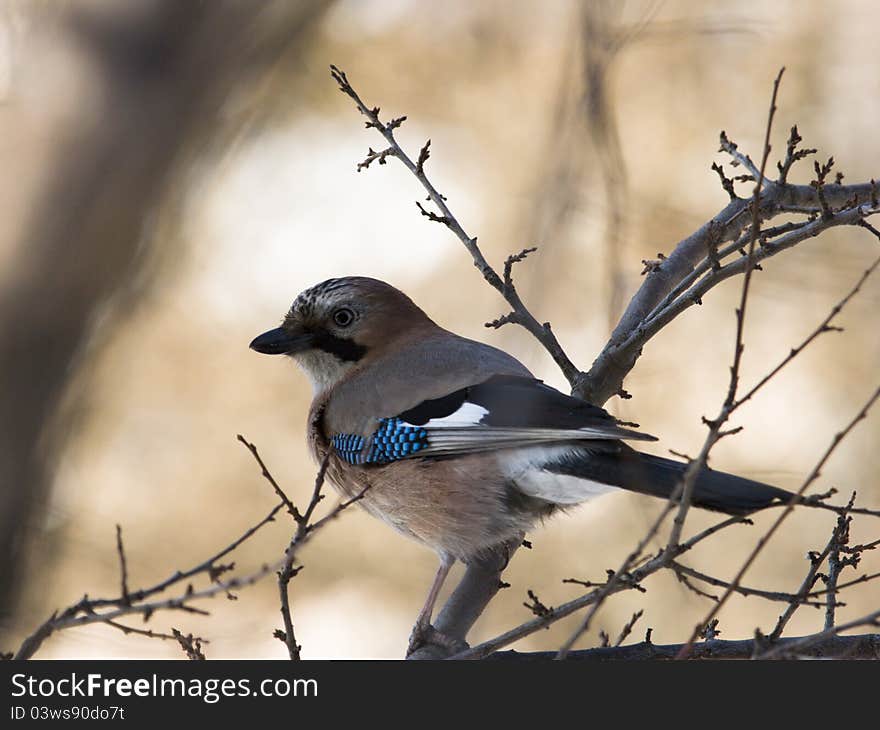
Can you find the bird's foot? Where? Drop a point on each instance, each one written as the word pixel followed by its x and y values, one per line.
pixel 426 642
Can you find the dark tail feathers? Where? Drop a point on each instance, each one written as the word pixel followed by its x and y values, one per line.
pixel 654 475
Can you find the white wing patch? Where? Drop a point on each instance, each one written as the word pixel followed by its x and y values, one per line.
pixel 523 468
pixel 468 414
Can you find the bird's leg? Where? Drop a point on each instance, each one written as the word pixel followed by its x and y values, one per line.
pixel 479 585
pixel 424 618
pixel 422 629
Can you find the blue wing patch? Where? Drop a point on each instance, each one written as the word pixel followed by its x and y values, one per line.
pixel 349 447
pixel 394 439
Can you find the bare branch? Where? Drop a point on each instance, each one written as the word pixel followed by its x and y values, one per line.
pixel 824 326
pixel 765 538
pixel 801 600
pixel 683 493
pixel 726 182
pixel 616 358
pixel 285 500
pixel 819 183
pixel 835 565
pixel 191 645
pixel 123 569
pixel 671 285
pixel 805 645
pixel 148 633
pixel 756 173
pixel 792 154
pixel 715 433
pixel 628 627
pixel 107 610
pixel 618 581
pixel 523 317
pixel 287 570
pixel 829 646
pixel 373 156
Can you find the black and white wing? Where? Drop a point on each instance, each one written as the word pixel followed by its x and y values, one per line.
pixel 507 411
pixel 502 412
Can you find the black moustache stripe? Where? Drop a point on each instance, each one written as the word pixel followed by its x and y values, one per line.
pixel 345 349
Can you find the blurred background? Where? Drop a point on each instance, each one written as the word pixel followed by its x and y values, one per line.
pixel 175 173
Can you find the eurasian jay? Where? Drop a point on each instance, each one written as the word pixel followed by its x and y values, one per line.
pixel 460 446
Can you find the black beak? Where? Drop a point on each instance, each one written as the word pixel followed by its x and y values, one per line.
pixel 282 342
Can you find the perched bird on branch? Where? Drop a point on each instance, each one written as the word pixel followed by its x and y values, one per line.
pixel 459 445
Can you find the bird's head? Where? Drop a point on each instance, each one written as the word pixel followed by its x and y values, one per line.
pixel 339 323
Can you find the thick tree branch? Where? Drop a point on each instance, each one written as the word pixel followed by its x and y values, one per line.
pixel 831 646
pixel 650 310
pixel 802 646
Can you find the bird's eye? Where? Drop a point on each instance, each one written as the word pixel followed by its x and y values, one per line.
pixel 343 317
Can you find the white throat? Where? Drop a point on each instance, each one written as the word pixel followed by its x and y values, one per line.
pixel 322 369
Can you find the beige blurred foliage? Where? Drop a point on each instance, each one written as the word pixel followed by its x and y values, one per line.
pixel 279 207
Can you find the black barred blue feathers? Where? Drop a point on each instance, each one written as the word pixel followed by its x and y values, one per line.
pixel 348 446
pixel 394 439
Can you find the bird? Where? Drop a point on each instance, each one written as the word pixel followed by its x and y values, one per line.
pixel 454 442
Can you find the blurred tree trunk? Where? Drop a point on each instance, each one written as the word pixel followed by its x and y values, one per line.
pixel 166 68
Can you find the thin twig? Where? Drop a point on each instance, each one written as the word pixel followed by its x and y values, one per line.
pixel 806 589
pixel 824 326
pixel 542 332
pixel 765 538
pixel 839 542
pixel 191 645
pixel 678 568
pixel 107 610
pixel 269 478
pixel 617 582
pixel 148 633
pixel 792 154
pixel 740 158
pixel 287 570
pixel 628 627
pixel 696 467
pixel 684 490
pixel 123 568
